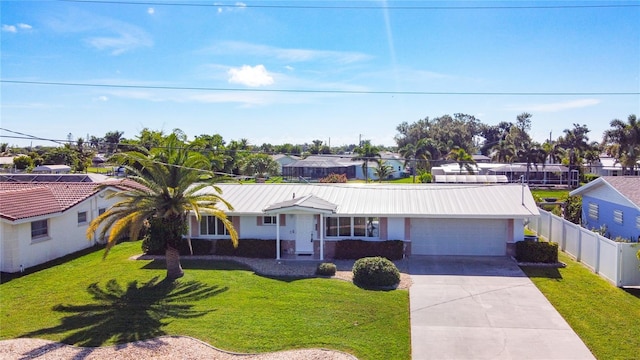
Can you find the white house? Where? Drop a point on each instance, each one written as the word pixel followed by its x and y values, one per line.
pixel 52 169
pixel 432 219
pixel 42 221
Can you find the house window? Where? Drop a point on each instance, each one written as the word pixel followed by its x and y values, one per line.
pixel 211 225
pixel 101 211
pixel 366 226
pixel 637 222
pixel 82 217
pixel 269 220
pixel 352 226
pixel 593 211
pixel 39 229
pixel 617 217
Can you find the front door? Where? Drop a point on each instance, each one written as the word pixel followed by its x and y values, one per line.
pixel 304 234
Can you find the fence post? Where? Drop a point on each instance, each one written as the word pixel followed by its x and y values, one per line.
pixel 579 251
pixel 597 264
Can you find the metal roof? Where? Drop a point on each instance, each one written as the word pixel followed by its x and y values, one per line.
pixel 424 200
pixel 627 186
pixel 478 179
pixel 309 203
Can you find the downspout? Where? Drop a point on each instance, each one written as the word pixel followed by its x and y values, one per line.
pixel 277 236
pixel 321 233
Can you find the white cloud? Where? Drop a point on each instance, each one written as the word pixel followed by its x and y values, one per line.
pixel 238 6
pixel 125 40
pixel 555 107
pixel 25 26
pixel 9 28
pixel 290 68
pixel 151 11
pixel 289 54
pixel 250 76
pixel 101 98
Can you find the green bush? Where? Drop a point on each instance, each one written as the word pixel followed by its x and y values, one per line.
pixel 326 269
pixel 375 272
pixel 536 252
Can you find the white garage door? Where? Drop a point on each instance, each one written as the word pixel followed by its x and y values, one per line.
pixel 458 237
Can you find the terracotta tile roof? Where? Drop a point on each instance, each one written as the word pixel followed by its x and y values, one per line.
pixel 24 200
pixel 629 186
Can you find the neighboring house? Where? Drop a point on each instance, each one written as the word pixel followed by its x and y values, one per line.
pixel 315 167
pixel 51 169
pixel 53 178
pixel 551 174
pixel 609 166
pixel 42 221
pixel 612 203
pixel 431 219
pixel 395 161
pixel 284 159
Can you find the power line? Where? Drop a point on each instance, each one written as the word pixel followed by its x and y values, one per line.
pixel 312 91
pixel 358 7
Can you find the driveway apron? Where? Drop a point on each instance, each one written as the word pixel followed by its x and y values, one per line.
pixel 465 307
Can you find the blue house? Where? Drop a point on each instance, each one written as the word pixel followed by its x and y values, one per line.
pixel 612 203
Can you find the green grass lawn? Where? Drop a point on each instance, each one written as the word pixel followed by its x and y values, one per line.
pixel 91 302
pixel 607 318
pixel 559 194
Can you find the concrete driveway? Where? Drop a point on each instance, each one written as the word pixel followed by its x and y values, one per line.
pixel 465 307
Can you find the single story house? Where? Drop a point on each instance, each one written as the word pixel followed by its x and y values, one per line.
pixel 431 219
pixel 42 221
pixel 284 159
pixel 609 166
pixel 538 174
pixel 315 167
pixel 612 203
pixel 52 169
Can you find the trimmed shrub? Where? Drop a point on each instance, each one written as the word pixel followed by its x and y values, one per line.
pixel 375 272
pixel 536 252
pixel 356 249
pixel 326 269
pixel 251 248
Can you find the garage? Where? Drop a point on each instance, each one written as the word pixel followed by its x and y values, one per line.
pixel 485 237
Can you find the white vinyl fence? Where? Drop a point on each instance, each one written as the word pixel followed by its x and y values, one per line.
pixel 614 261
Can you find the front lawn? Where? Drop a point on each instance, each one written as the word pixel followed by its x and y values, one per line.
pixel 607 318
pixel 90 302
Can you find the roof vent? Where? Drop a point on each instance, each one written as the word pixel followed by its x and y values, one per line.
pixel 294 195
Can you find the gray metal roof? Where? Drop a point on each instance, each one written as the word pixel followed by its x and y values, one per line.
pixel 479 179
pixel 424 200
pixel 308 203
pixel 627 186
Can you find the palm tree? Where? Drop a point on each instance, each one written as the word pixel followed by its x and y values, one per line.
pixel 624 138
pixel 463 158
pixel 366 152
pixel 166 187
pixel 418 152
pixel 383 170
pixel 259 165
pixel 503 151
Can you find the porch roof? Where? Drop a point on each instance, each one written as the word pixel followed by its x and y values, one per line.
pixel 305 203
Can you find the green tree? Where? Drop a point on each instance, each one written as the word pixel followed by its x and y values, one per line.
pixel 166 188
pixel 22 162
pixel 259 165
pixel 365 153
pixel 463 159
pixel 623 142
pixel 383 170
pixel 112 139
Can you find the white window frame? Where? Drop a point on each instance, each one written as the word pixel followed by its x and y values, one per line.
pixel 339 222
pixel 638 222
pixel 218 227
pixel 593 211
pixel 270 220
pixel 82 214
pixel 38 230
pixel 618 217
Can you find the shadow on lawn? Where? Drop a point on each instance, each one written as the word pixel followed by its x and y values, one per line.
pixel 197 264
pixel 542 272
pixel 134 313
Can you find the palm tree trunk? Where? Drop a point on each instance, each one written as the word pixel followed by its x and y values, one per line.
pixel 174 269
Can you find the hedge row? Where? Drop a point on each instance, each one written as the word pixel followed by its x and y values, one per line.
pixel 541 252
pixel 356 249
pixel 251 248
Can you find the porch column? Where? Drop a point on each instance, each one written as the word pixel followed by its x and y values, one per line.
pixel 277 236
pixel 321 233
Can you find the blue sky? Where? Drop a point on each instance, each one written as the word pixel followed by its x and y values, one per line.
pixel 347 71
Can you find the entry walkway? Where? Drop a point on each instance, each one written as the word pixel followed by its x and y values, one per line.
pixel 466 307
